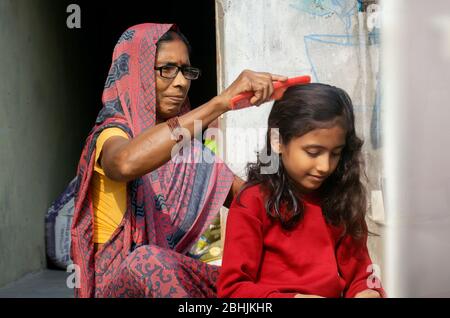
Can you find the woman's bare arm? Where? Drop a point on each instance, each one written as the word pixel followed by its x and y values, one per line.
pixel 124 160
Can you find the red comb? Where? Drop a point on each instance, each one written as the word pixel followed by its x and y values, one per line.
pixel 243 100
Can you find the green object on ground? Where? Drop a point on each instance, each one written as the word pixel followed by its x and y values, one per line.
pixel 211 144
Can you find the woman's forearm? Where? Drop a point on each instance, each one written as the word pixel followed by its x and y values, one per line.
pixel 125 160
pixel 153 147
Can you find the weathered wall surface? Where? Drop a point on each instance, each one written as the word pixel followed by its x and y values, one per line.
pixel 40 136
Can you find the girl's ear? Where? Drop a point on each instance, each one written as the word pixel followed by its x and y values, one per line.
pixel 275 140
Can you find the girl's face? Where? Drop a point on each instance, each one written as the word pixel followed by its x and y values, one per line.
pixel 313 157
pixel 171 93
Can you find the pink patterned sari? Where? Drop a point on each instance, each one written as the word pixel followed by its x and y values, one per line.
pixel 167 209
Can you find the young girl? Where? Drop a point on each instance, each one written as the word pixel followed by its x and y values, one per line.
pixel 301 231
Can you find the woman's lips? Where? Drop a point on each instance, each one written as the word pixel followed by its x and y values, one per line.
pixel 175 99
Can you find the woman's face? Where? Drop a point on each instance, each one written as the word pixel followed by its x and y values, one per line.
pixel 313 157
pixel 171 93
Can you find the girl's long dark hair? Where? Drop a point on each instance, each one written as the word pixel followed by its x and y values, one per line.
pixel 343 200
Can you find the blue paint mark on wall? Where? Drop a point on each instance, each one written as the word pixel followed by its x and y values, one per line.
pixel 343 9
pixel 327 39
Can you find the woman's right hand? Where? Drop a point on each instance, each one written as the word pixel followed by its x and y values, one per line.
pixel 261 84
pixel 307 296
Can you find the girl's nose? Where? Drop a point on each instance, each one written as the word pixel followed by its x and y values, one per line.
pixel 323 164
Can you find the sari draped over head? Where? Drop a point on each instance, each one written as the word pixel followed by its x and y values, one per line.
pixel 169 207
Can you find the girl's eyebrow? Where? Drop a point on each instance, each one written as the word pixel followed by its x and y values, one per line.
pixel 322 147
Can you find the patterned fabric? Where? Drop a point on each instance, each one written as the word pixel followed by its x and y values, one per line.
pixel 167 209
pixel 126 36
pixel 152 271
pixel 118 70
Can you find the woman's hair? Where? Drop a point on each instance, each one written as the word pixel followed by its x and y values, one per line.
pixel 172 35
pixel 302 109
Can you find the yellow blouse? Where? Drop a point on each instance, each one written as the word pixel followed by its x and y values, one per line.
pixel 109 197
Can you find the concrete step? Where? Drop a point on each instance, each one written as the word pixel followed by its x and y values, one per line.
pixel 45 284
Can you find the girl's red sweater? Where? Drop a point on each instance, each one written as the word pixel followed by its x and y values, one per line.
pixel 261 259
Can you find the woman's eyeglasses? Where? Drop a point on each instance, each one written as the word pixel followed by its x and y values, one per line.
pixel 171 71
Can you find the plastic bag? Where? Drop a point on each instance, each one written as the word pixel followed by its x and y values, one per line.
pixel 58 222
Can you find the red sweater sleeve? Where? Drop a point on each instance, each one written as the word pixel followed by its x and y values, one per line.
pixel 357 269
pixel 243 251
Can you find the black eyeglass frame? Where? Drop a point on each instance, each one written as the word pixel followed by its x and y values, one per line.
pixel 183 69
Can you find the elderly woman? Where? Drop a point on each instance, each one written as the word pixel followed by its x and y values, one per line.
pixel 137 210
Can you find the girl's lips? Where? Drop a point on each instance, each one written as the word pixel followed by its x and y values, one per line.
pixel 316 178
